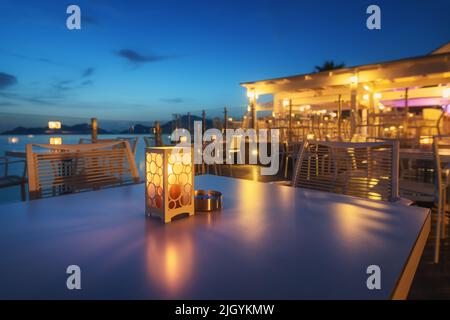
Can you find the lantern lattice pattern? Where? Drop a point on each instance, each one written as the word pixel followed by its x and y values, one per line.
pixel 169 182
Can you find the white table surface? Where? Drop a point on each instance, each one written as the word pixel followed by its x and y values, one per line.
pixel 268 242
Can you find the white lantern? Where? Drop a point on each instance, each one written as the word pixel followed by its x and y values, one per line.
pixel 169 182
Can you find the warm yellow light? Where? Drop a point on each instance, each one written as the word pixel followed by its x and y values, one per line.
pixel 54 125
pixel 426 140
pixel 307 107
pixel 353 79
pixel 366 87
pixel 169 182
pixel 255 152
pixel 273 114
pixel 392 128
pixel 310 136
pixel 400 127
pixel 388 109
pixel 286 102
pixel 292 115
pixel 302 109
pixel 377 95
pixel 183 139
pixel 333 114
pixel 249 109
pixel 13 140
pixel 410 115
pixel 381 106
pixel 366 97
pixel 386 129
pixel 56 140
pixel 251 94
pixel 230 119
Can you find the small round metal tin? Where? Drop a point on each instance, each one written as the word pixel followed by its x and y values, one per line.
pixel 207 200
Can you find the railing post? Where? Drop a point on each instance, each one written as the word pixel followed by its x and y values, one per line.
pixel 94 129
pixel 290 123
pixel 203 121
pixel 189 122
pixel 158 140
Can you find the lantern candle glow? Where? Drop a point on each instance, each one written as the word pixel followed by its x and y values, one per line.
pixel 169 182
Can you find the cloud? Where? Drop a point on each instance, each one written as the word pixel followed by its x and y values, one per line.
pixel 173 100
pixel 137 58
pixel 42 100
pixel 63 85
pixel 88 72
pixel 7 80
pixel 38 59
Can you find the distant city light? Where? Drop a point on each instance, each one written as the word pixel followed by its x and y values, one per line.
pixel 13 140
pixel 54 125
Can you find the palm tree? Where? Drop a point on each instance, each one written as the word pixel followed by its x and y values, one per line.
pixel 328 65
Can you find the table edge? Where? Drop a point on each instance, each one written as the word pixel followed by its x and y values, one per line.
pixel 404 283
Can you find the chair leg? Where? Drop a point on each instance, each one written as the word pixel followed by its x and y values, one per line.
pixel 22 192
pixel 444 211
pixel 286 165
pixel 216 171
pixel 438 230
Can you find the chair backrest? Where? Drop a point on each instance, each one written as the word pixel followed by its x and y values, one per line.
pixel 61 169
pixel 441 145
pixel 366 170
pixel 133 141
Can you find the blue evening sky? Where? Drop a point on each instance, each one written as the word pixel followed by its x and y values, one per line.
pixel 144 60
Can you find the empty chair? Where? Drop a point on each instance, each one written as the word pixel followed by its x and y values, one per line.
pixel 289 152
pixel 441 150
pixel 60 169
pixel 366 170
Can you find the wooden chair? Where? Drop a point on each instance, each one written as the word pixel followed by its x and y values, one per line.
pixel 133 141
pixel 62 169
pixel 367 170
pixel 8 179
pixel 289 153
pixel 441 144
